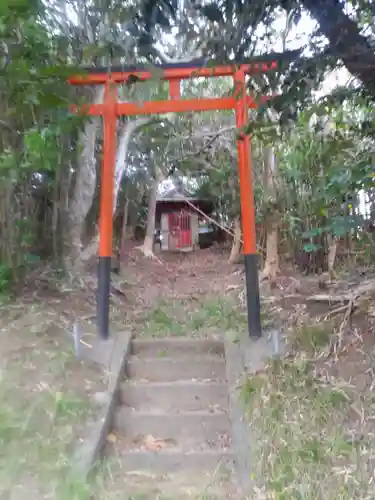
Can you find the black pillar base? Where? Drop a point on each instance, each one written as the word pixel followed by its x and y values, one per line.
pixel 252 294
pixel 103 296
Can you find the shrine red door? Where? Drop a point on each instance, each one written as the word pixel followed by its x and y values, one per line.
pixel 179 231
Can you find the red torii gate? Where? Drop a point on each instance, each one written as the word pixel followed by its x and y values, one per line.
pixel 111 109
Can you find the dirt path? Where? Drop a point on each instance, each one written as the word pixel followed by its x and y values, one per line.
pixel 181 276
pixel 181 294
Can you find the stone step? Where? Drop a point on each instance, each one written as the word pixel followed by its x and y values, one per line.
pixel 174 346
pixel 184 367
pixel 188 430
pixel 175 396
pixel 146 486
pixel 171 461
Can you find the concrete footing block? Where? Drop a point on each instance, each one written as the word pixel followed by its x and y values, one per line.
pixel 111 354
pixel 244 358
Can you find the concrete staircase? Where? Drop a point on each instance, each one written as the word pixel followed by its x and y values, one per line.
pixel 172 428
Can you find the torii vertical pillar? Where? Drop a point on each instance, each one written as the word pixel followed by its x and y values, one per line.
pixel 247 209
pixel 106 208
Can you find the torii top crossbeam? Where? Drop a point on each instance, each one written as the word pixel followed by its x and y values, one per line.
pixel 196 68
pixel 100 76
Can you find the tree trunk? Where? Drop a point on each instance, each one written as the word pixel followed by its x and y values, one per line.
pixel 85 188
pixel 235 252
pixel 123 145
pixel 124 227
pixel 86 179
pixel 332 251
pixel 122 150
pixel 272 263
pixel 148 245
pixel 346 41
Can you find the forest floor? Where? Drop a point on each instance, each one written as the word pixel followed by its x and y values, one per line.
pixel 313 412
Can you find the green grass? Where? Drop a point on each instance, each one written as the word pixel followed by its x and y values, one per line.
pixel 217 313
pixel 160 322
pixel 311 338
pixel 198 318
pixel 193 318
pixel 301 427
pixel 41 410
pixel 35 438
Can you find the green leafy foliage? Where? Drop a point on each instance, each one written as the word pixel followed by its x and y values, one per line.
pixel 6 278
pixel 32 88
pixel 38 139
pixel 321 169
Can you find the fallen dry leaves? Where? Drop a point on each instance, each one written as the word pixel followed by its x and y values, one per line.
pixel 112 438
pixel 154 444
